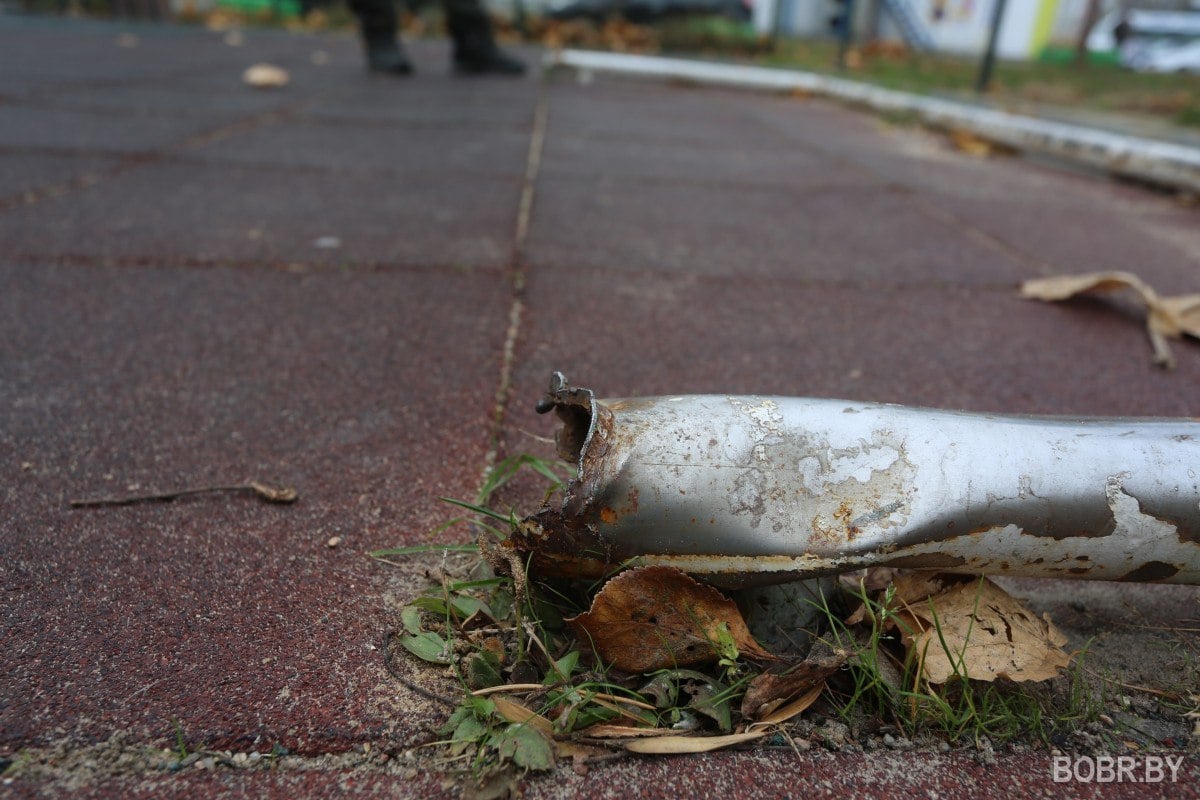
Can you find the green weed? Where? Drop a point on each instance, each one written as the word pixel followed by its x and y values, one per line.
pixel 884 682
pixel 476 624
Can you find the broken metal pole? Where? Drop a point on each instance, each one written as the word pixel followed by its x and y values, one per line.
pixel 747 491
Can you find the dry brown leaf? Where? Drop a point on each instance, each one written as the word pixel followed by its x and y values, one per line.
pixel 792 709
pixel 975 145
pixel 581 754
pixel 629 713
pixel 857 615
pixel 1167 316
pixel 870 580
pixel 987 634
pixel 272 494
pixel 768 692
pixel 668 745
pixel 266 76
pixel 659 617
pixel 912 587
pixel 513 711
pixel 604 730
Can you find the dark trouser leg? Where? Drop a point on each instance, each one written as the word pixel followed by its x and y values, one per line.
pixel 475 48
pixel 377 21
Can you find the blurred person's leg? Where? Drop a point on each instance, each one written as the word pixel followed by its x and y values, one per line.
pixel 475 49
pixel 377 22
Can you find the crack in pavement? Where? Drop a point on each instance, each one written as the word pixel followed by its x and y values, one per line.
pixel 519 271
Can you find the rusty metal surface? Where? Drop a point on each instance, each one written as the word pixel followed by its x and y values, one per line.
pixel 747 490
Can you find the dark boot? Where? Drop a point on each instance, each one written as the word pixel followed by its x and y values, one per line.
pixel 475 50
pixel 377 21
pixel 386 55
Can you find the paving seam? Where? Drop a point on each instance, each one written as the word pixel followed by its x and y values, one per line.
pixel 767 280
pixel 751 185
pixel 332 120
pixel 297 267
pixel 1158 161
pixel 168 156
pixel 923 205
pixel 934 211
pixel 131 162
pixel 533 164
pixel 127 161
pixel 272 166
pixel 53 88
pixel 326 119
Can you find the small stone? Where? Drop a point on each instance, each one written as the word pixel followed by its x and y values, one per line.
pixel 943 747
pixel 889 740
pixel 240 759
pixel 334 541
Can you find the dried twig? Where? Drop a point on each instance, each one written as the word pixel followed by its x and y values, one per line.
pixel 508 687
pixel 269 493
pixel 1173 696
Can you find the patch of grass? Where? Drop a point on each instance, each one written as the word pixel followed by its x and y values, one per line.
pixel 886 683
pixel 711 34
pixel 502 636
pixel 1104 87
pixel 1189 115
pixel 180 744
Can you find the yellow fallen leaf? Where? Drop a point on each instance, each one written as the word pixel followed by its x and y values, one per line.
pixel 1167 316
pixel 669 745
pixel 266 76
pixel 973 628
pixel 975 145
pixel 513 711
pixel 604 730
pixel 581 753
pixel 797 706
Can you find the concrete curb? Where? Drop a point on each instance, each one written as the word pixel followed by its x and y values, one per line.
pixel 1164 163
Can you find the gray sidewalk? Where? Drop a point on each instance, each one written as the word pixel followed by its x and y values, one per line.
pixel 358 286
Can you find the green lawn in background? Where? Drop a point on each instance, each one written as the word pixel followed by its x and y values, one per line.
pixel 1054 79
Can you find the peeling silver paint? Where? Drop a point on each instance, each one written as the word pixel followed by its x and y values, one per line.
pixel 749 490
